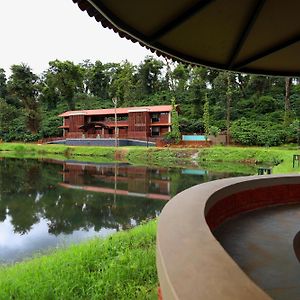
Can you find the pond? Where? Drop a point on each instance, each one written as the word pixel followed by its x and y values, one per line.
pixel 50 203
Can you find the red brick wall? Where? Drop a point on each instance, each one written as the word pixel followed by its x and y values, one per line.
pixel 251 200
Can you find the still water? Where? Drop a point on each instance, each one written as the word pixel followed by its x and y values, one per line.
pixel 48 203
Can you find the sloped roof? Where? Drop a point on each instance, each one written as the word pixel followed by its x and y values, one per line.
pixel 119 110
pixel 256 36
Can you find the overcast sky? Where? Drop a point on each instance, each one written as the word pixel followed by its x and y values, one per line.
pixel 38 31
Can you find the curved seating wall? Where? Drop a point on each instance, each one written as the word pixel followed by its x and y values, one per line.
pixel 191 262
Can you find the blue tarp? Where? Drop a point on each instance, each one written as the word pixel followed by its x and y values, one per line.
pixel 193 138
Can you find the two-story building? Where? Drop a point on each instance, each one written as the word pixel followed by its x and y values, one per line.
pixel 129 122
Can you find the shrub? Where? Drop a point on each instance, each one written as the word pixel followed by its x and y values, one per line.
pixel 261 133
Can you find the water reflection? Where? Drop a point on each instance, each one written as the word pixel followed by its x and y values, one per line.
pixel 45 202
pixel 118 179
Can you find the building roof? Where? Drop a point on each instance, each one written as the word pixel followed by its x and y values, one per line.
pixel 120 110
pixel 254 36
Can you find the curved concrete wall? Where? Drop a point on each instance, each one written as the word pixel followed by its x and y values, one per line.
pixel 191 263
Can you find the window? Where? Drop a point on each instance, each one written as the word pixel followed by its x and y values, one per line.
pixel 155 117
pixel 155 131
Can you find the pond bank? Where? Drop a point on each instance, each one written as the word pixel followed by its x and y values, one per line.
pixel 167 157
pixel 279 158
pixel 119 267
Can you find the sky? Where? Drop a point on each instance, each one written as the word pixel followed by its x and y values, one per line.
pixel 38 31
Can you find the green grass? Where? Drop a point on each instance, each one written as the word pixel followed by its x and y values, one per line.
pixel 230 167
pixel 280 158
pixel 136 155
pixel 67 151
pixel 167 157
pixel 119 267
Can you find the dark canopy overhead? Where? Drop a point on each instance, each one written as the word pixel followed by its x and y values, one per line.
pixel 253 36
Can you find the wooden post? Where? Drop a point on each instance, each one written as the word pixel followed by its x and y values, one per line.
pixel 296 158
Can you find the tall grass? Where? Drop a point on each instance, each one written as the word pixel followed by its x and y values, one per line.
pixel 119 267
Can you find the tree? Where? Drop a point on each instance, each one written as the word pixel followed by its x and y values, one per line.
pixel 206 117
pixel 49 93
pixel 3 88
pixel 23 85
pixel 197 91
pixel 148 76
pixel 7 114
pixel 228 107
pixel 122 83
pixel 67 78
pixel 97 79
pixel 175 123
pixel 181 76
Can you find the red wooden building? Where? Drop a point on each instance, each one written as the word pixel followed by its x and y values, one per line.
pixel 132 122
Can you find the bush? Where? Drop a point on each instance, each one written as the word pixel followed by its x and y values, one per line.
pixel 261 133
pixel 171 138
pixel 214 130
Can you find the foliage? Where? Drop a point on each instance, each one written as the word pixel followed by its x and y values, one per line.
pixel 175 134
pixel 119 267
pixel 23 85
pixel 35 101
pixel 148 74
pixel 66 78
pixel 261 133
pixel 214 130
pixel 206 117
pixel 122 83
pixel 3 88
pixel 97 78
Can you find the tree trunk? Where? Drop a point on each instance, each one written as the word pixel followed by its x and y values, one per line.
pixel 287 102
pixel 228 105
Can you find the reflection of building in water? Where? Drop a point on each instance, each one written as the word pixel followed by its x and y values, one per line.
pixel 119 179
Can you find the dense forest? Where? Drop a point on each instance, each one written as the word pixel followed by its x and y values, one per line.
pixel 255 110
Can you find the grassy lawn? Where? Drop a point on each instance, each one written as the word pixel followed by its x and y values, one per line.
pixel 119 267
pixel 280 158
